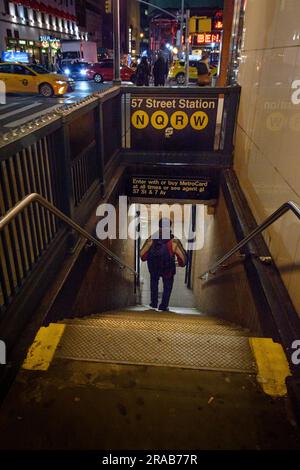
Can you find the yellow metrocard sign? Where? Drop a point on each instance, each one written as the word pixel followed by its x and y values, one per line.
pixel 172 123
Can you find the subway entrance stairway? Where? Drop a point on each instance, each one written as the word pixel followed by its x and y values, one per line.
pixel 139 379
pixel 101 374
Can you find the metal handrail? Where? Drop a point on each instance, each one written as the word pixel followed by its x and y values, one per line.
pixel 35 197
pixel 290 205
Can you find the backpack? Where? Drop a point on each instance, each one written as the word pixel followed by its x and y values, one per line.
pixel 160 261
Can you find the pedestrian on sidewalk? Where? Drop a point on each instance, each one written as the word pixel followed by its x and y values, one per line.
pixel 203 71
pixel 160 251
pixel 160 71
pixel 143 73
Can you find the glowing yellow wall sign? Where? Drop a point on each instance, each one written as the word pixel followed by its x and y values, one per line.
pixel 172 123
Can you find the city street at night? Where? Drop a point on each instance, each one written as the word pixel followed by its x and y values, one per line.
pixel 21 108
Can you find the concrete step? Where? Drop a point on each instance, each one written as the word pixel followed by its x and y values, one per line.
pixel 151 319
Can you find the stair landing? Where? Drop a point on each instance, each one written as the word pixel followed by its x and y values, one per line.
pixel 82 403
pixel 150 338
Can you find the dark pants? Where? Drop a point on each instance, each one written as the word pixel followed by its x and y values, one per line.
pixel 159 81
pixel 168 285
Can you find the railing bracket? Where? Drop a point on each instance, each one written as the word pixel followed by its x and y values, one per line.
pixel 265 259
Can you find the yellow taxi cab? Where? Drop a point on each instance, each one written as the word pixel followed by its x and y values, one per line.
pixel 177 71
pixel 32 78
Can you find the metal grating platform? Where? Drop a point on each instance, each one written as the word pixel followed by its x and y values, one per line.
pixel 172 344
pixel 172 324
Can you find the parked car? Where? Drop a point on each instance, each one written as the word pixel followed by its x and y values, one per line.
pixel 32 78
pixel 104 71
pixel 177 71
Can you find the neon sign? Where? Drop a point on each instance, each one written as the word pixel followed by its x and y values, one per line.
pixel 15 56
pixel 206 38
pixel 218 24
pixel 48 39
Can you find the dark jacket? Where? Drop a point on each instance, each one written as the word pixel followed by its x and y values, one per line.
pixel 143 73
pixel 204 74
pixel 160 71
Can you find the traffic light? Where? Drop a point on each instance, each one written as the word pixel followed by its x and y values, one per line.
pixel 107 6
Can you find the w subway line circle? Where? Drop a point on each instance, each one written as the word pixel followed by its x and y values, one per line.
pixel 140 119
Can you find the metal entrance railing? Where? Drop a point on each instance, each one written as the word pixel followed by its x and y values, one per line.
pixel 18 240
pixel 287 206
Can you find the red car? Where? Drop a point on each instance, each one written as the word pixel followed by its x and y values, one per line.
pixel 104 71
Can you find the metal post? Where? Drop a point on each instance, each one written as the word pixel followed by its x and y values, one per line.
pixel 116 32
pixel 181 28
pixel 187 47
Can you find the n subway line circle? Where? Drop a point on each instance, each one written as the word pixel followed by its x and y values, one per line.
pixel 140 119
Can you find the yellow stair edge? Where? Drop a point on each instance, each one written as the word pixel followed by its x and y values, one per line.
pixel 272 366
pixel 42 350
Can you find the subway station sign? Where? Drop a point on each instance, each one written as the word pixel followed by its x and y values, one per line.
pixel 205 188
pixel 173 123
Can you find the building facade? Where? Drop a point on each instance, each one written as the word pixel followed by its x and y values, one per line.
pixel 129 28
pixel 89 15
pixel 132 41
pixel 37 28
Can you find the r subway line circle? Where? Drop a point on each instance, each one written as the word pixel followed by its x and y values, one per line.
pixel 179 120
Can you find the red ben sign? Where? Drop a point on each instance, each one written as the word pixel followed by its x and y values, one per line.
pixel 207 38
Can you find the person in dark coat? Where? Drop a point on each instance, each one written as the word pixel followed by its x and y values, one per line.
pixel 203 71
pixel 143 73
pixel 160 71
pixel 160 252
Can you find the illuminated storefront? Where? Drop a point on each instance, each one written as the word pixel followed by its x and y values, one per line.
pixel 35 28
pixel 49 48
pixel 32 48
pixel 43 51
